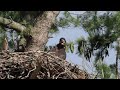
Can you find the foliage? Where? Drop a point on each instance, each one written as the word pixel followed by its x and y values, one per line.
pixel 23 17
pixel 68 20
pixel 105 71
pixel 54 29
pixel 103 30
pixel 113 68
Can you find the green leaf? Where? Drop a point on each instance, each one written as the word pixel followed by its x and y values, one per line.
pixel 67 48
pixel 112 76
pixel 54 29
pixel 22 41
pixel 11 44
pixel 81 50
pixel 76 21
pixel 72 47
pixel 63 22
pixel 24 22
pixel 66 14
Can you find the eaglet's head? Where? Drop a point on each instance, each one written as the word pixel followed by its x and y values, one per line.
pixel 62 41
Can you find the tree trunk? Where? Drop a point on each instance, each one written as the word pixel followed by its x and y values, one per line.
pixel 40 30
pixel 117 66
pixel 117 58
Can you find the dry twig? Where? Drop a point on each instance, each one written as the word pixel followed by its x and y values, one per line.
pixel 37 64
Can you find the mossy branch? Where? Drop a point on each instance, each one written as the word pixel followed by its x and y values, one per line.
pixel 13 25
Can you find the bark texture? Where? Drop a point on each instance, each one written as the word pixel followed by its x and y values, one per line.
pixel 40 30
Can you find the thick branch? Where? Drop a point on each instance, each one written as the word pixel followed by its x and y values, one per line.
pixel 40 30
pixel 12 24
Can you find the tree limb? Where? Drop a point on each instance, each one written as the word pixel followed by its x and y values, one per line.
pixel 12 24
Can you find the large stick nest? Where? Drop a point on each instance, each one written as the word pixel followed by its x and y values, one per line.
pixel 37 65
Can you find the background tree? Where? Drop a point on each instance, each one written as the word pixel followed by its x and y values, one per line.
pixel 103 31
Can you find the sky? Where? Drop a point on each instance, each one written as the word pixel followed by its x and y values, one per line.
pixel 71 34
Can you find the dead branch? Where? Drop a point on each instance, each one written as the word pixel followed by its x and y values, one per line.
pixel 37 65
